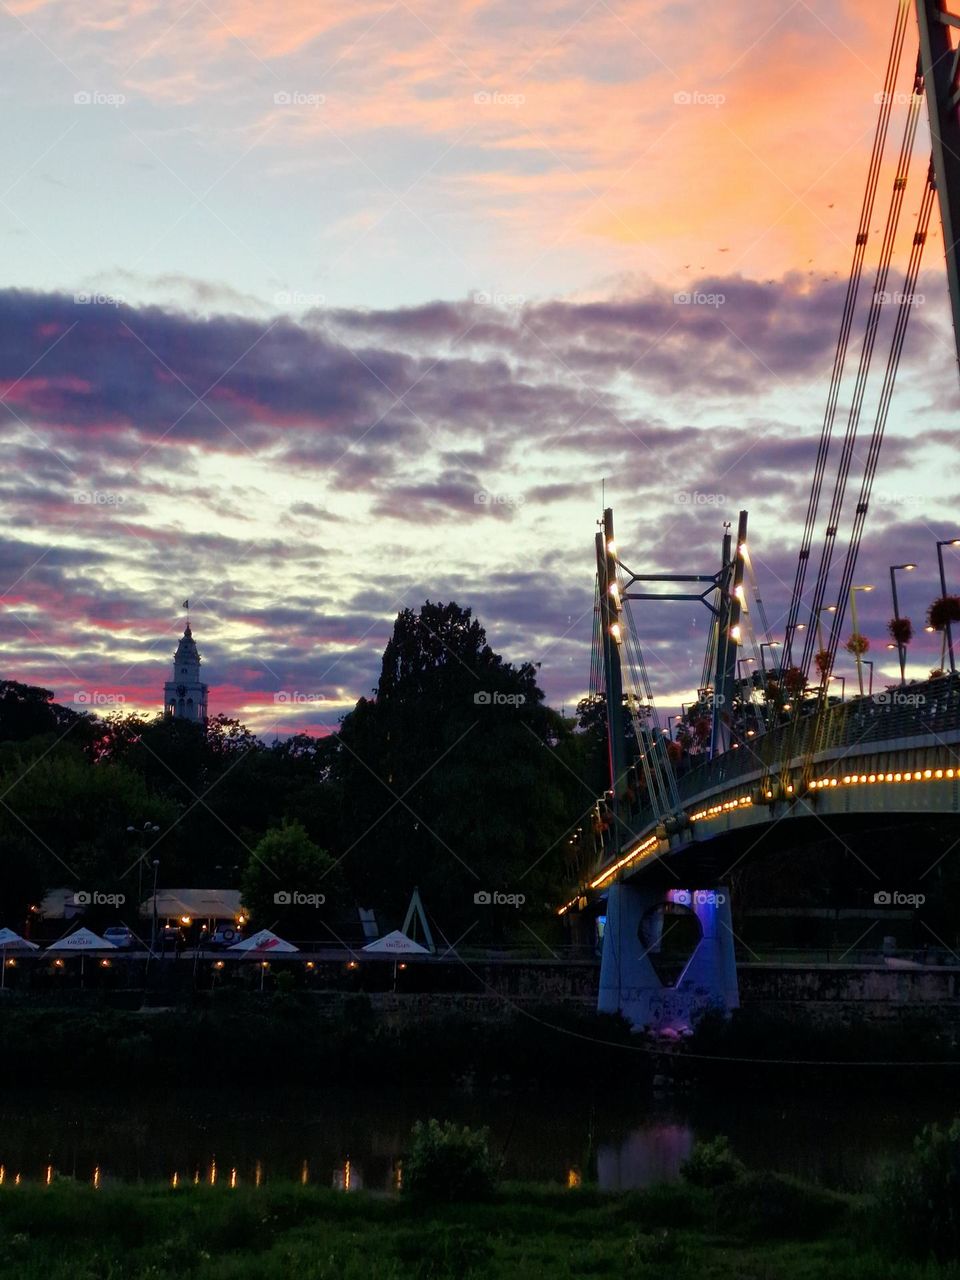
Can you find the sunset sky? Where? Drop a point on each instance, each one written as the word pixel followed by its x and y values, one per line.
pixel 312 312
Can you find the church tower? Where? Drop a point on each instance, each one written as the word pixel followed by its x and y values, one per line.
pixel 185 696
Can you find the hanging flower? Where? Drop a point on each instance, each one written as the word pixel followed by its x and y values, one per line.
pixel 823 661
pixel 794 681
pixel 936 673
pixel 901 630
pixel 857 644
pixel 943 610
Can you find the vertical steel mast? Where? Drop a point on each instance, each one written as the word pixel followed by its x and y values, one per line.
pixel 940 63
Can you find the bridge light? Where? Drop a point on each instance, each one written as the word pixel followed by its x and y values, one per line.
pixel 616 632
pixel 898 777
pixel 928 773
pixel 938 773
pixel 846 777
pixel 889 777
pixel 917 776
pixel 735 634
pixel 615 590
pixel 949 773
pixel 611 548
pixel 833 782
pixel 872 777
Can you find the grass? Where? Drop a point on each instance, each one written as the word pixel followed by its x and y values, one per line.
pixel 288 1232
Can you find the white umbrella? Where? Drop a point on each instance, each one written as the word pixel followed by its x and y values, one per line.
pixel 262 943
pixel 81 940
pixel 10 941
pixel 396 944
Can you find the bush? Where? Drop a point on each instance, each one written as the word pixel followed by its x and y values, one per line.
pixel 918 1200
pixel 449 1162
pixel 770 1206
pixel 712 1164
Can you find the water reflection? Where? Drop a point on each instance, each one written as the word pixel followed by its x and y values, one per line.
pixel 352 1141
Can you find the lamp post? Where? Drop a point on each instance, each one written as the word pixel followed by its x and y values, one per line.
pixel 153 922
pixel 868 662
pixel 901 648
pixel 947 542
pixel 843 686
pixel 148 829
pixel 856 631
pixel 767 644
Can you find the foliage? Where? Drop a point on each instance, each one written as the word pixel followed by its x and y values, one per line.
pixel 943 610
pixel 285 861
pixel 770 1206
pixel 823 660
pixel 449 1163
pixel 712 1164
pixel 918 1200
pixel 901 630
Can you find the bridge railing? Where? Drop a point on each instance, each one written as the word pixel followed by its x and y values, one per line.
pixel 930 707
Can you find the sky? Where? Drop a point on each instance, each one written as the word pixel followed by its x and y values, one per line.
pixel 311 313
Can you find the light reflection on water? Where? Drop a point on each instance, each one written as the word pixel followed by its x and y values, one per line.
pixel 352 1141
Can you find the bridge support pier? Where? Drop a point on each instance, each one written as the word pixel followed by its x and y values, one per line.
pixel 629 983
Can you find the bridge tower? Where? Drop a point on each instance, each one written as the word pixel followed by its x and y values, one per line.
pixel 636 912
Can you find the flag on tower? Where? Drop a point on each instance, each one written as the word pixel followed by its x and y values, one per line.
pixel 185 605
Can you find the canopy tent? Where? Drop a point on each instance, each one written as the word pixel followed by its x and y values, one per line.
pixel 396 944
pixel 262 943
pixel 198 904
pixel 81 940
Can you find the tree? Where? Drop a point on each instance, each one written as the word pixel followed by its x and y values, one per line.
pixel 453 777
pixel 285 874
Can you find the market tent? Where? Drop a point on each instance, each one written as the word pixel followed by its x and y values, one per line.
pixel 262 943
pixel 82 940
pixel 396 944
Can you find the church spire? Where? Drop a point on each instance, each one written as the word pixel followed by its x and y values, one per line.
pixel 185 695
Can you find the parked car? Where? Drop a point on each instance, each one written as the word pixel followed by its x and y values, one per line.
pixel 119 935
pixel 225 935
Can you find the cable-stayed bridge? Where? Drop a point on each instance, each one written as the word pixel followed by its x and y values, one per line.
pixel 775 756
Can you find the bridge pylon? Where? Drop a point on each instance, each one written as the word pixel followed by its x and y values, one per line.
pixel 633 932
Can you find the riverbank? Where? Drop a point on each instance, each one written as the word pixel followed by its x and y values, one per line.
pixel 525 1232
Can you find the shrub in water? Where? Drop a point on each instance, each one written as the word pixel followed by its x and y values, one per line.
pixel 712 1164
pixel 449 1162
pixel 918 1200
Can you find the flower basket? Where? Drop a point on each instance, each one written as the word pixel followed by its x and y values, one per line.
pixel 943 610
pixel 857 644
pixel 901 630
pixel 823 661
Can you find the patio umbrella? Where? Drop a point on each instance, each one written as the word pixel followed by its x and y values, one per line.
pixel 261 944
pixel 10 941
pixel 82 940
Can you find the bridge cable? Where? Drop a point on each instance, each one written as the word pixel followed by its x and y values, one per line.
pixel 849 308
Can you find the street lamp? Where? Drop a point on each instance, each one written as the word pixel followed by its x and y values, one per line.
pixel 856 631
pixel 153 922
pixel 843 686
pixel 947 542
pixel 901 648
pixel 868 662
pixel 767 644
pixel 148 829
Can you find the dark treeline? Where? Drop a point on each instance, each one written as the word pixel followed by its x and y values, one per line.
pixel 454 776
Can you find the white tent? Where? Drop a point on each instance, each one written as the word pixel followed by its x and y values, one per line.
pixel 262 943
pixel 81 940
pixel 396 944
pixel 10 941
